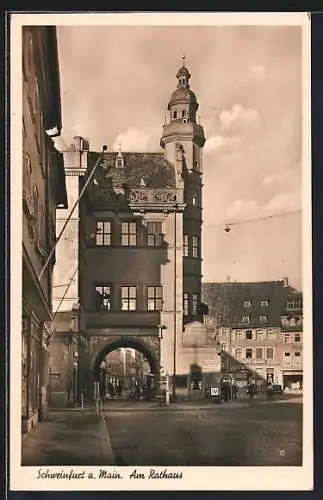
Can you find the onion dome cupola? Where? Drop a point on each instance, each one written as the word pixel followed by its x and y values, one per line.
pixel 183 103
pixel 182 126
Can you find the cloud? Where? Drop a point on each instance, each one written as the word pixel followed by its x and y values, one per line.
pixel 278 178
pixel 221 143
pixel 282 202
pixel 238 116
pixel 132 139
pixel 259 72
pixel 242 208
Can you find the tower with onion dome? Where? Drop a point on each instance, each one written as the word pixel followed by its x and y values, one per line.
pixel 183 137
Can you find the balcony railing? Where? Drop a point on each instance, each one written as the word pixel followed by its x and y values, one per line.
pixel 137 198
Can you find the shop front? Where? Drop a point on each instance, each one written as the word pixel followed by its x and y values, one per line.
pixel 31 372
pixel 293 380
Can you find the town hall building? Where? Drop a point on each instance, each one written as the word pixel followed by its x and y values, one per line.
pixel 138 251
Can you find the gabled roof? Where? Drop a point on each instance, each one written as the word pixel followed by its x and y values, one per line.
pixel 226 302
pixel 152 169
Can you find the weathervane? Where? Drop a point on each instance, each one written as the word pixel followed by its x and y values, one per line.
pixel 184 58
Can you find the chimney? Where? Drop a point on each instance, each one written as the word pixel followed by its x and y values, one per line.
pixel 285 282
pixel 78 140
pixel 81 144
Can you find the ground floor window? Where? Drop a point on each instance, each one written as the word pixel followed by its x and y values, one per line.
pixel 185 304
pixel 34 371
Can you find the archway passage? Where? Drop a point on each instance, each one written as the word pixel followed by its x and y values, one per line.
pixel 126 369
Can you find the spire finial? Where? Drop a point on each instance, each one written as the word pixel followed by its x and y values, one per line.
pixel 184 59
pixel 119 155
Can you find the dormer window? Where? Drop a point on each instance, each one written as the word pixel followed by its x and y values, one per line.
pixel 119 162
pixel 119 159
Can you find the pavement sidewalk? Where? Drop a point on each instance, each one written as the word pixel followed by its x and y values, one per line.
pixel 68 438
pixel 134 406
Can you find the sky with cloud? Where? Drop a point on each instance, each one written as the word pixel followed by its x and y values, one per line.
pixel 116 82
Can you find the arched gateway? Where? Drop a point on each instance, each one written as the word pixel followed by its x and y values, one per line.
pixel 139 244
pixel 99 346
pixel 146 348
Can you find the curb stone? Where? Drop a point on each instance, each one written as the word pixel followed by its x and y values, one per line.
pixel 107 450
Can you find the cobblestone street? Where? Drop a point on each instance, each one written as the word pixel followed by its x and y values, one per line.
pixel 229 435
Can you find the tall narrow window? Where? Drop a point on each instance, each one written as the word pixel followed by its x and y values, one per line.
pixel 194 304
pixel 154 234
pixel 185 304
pixel 271 335
pixel 245 319
pixel 287 357
pixel 36 202
pixel 239 353
pixel 270 353
pixel 258 352
pixel 195 200
pixel 238 335
pixel 175 115
pixel 103 233
pixel 128 298
pixel 263 318
pixel 195 246
pixel 297 358
pixel 42 226
pixel 248 353
pixel 249 334
pixel 259 335
pixel 129 234
pixel 184 113
pixel 186 245
pixel 155 298
pixel 103 298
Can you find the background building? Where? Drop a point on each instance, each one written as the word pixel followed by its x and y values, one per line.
pixel 259 327
pixel 44 190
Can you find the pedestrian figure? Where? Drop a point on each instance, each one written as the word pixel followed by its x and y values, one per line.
pixel 234 391
pixel 251 391
pixel 111 390
pixel 137 391
pixel 119 389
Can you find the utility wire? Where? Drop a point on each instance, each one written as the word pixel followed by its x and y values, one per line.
pixel 248 221
pixel 70 214
pixel 62 299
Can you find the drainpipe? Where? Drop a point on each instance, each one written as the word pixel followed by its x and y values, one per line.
pixel 175 305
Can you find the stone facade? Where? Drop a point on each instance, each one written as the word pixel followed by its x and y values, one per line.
pixel 44 190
